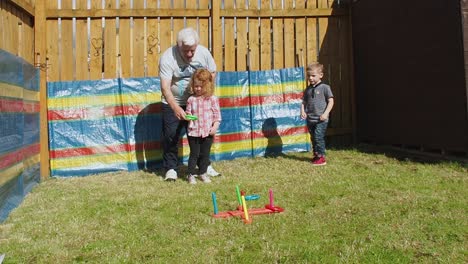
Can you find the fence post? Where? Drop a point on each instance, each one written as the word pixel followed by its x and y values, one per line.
pixel 41 59
pixel 216 32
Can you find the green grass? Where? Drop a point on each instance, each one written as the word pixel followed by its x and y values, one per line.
pixel 360 208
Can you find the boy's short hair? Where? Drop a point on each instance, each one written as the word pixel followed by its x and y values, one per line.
pixel 315 67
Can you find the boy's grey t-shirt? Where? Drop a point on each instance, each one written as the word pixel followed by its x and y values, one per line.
pixel 172 66
pixel 315 100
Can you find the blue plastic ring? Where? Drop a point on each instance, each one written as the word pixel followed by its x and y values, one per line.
pixel 252 197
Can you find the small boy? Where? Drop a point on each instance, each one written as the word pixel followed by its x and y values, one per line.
pixel 317 102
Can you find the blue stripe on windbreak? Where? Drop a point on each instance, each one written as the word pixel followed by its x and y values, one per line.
pixel 280 76
pixel 87 133
pixel 231 79
pixel 102 87
pixel 82 88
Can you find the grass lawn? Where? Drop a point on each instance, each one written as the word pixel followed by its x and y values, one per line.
pixel 360 208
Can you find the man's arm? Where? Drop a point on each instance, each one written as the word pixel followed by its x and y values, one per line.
pixel 167 93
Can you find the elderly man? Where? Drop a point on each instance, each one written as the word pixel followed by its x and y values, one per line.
pixel 176 66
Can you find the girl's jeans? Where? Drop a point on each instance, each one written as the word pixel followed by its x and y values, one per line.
pixel 317 135
pixel 199 154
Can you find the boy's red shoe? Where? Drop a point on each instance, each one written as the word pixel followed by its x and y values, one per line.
pixel 320 161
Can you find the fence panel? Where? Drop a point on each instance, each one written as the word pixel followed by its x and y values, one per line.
pixel 16 27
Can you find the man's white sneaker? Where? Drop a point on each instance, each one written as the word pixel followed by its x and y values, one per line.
pixel 211 172
pixel 205 178
pixel 171 175
pixel 191 179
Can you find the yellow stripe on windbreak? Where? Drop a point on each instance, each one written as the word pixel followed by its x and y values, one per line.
pixel 232 91
pixel 11 172
pixel 277 88
pixel 31 160
pixel 132 99
pixel 247 144
pixel 18 92
pixel 263 89
pixel 92 160
pixel 30 95
pixel 225 147
pixel 102 100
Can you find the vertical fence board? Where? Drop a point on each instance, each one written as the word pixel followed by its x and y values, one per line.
pixel 265 38
pixel 52 45
pixel 110 37
pixel 153 42
pixel 254 47
pixel 14 29
pixel 312 38
pixel 204 26
pixel 322 3
pixel 124 35
pixel 278 41
pixel 333 40
pixel 242 44
pixel 10 29
pixel 67 58
pixel 165 28
pixel 139 43
pixel 96 45
pixel 178 22
pixel 2 24
pixel 300 36
pixel 81 42
pixel 229 40
pixel 28 27
pixel 289 38
pixel 191 21
pixel 346 69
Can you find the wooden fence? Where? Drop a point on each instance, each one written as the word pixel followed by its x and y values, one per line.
pixel 95 39
pixel 17 28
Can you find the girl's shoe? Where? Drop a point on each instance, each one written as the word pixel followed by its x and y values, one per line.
pixel 205 178
pixel 191 179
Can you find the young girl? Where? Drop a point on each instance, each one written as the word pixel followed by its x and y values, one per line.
pixel 205 106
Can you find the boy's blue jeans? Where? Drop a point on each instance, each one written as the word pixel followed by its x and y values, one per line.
pixel 317 133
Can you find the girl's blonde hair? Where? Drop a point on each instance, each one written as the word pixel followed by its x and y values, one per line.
pixel 206 78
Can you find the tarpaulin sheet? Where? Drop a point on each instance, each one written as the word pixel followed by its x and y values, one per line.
pixel 115 124
pixel 19 130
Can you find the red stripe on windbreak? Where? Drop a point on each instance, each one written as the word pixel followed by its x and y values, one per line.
pixel 11 105
pixel 258 100
pixel 256 134
pixel 87 151
pixel 31 107
pixel 284 132
pixel 111 111
pixel 108 111
pixel 17 156
pixel 149 146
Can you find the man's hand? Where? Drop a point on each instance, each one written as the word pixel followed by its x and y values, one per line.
pixel 179 112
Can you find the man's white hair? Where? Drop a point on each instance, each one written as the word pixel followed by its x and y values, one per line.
pixel 188 37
